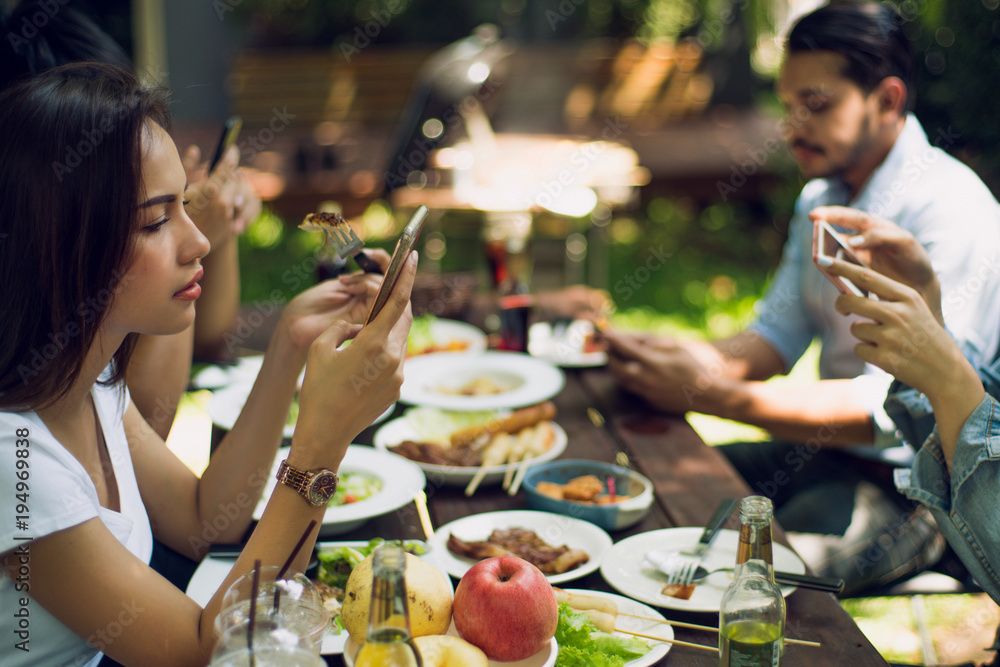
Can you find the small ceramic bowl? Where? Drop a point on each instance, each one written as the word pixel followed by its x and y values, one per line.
pixel 613 516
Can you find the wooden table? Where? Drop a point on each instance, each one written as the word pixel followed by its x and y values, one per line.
pixel 689 479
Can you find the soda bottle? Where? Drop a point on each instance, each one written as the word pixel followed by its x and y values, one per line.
pixel 752 611
pixel 388 642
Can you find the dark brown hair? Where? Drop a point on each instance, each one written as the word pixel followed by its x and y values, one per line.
pixel 71 148
pixel 869 34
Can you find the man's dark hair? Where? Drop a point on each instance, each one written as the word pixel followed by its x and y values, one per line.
pixel 869 34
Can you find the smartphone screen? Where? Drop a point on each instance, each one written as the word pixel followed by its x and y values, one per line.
pixel 230 131
pixel 403 247
pixel 828 243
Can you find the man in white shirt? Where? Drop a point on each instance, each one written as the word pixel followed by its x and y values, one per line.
pixel 846 86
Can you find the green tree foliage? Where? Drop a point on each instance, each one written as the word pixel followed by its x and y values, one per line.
pixel 957 95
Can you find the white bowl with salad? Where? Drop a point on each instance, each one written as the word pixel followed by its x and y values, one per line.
pixel 372 483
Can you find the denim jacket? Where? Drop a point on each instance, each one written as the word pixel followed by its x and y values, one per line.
pixel 964 500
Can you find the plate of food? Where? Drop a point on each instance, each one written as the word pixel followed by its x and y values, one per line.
pixel 569 344
pixel 227 403
pixel 625 568
pixel 608 612
pixel 429 334
pixel 425 436
pixel 483 381
pixel 372 483
pixel 335 562
pixel 562 547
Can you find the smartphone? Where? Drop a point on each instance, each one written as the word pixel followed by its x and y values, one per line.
pixel 230 131
pixel 403 247
pixel 828 243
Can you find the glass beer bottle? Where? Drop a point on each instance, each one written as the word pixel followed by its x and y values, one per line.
pixel 388 643
pixel 752 611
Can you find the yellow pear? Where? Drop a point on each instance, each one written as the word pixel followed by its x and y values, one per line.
pixel 428 596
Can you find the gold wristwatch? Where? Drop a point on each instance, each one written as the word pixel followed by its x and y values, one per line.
pixel 316 486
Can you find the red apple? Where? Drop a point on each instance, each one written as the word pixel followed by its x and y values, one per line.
pixel 506 607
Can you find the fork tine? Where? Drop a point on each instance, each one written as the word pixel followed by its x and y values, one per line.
pixel 688 573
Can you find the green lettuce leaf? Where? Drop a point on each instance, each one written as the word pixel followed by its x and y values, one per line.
pixel 581 644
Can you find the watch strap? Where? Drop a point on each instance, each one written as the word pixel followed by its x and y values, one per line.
pixel 293 477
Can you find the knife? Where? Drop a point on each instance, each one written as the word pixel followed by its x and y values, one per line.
pixel 712 528
pixel 826 584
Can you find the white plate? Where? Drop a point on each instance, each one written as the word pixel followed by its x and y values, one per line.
pixel 630 606
pixel 567 348
pixel 211 572
pixel 626 570
pixel 398 430
pixel 443 332
pixel 555 529
pixel 214 377
pixel 401 479
pixel 529 380
pixel 544 658
pixel 227 403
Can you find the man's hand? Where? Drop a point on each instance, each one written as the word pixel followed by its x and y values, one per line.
pixel 671 375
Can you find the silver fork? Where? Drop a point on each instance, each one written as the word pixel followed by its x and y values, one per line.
pixel 345 242
pixel 679 569
pixel 686 571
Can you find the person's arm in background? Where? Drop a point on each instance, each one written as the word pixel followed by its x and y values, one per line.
pixel 222 204
pixel 726 377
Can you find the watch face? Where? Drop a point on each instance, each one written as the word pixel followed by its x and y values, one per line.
pixel 321 488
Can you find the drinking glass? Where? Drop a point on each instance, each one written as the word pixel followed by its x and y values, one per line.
pixel 272 646
pixel 292 602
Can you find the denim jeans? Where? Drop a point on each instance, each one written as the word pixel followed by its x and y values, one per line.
pixel 841 513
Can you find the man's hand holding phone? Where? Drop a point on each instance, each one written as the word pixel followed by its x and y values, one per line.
pixel 829 245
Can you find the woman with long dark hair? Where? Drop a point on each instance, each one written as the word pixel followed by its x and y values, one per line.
pixel 95 248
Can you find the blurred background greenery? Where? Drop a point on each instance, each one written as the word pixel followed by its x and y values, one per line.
pixel 722 252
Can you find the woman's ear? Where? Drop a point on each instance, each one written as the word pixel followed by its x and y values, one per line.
pixel 892 95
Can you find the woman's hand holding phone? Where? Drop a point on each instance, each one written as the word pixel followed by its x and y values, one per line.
pixel 889 250
pixel 827 244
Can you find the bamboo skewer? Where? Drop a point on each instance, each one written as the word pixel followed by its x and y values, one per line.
pixel 521 472
pixel 670 641
pixel 420 500
pixel 495 454
pixel 708 628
